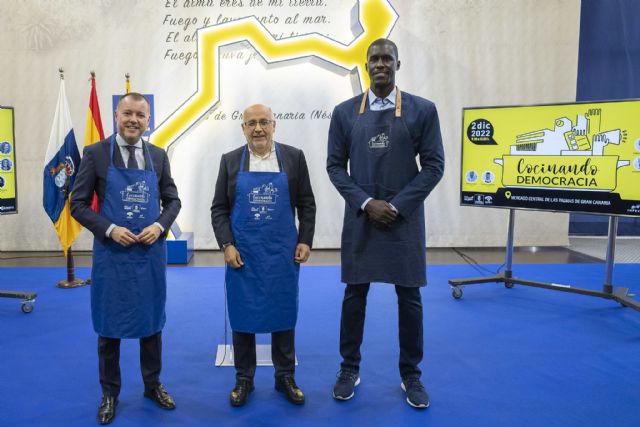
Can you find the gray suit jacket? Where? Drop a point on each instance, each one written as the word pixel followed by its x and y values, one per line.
pixel 300 193
pixel 92 176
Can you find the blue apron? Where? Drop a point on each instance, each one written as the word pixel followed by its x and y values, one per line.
pixel 382 161
pixel 262 295
pixel 128 285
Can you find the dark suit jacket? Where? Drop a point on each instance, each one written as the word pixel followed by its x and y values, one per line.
pixel 300 193
pixel 92 177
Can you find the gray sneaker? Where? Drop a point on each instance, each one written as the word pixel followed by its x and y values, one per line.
pixel 416 394
pixel 345 385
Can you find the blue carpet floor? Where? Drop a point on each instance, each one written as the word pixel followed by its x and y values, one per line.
pixel 497 357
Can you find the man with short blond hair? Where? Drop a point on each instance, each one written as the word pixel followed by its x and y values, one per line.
pixel 138 203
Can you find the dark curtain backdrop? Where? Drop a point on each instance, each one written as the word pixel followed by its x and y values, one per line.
pixel 608 68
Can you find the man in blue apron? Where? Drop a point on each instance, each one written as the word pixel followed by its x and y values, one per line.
pixel 379 134
pixel 260 187
pixel 138 203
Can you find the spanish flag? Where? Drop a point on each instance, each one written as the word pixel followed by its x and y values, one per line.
pixel 60 167
pixel 93 132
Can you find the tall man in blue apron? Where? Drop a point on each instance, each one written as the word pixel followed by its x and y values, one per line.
pixel 138 203
pixel 379 134
pixel 260 187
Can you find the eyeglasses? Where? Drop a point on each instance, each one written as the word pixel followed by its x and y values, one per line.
pixel 253 123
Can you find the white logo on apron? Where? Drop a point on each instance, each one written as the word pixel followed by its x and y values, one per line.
pixel 379 141
pixel 138 192
pixel 135 195
pixel 264 195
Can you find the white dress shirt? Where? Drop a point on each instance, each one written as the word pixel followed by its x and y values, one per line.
pixel 265 163
pixel 379 104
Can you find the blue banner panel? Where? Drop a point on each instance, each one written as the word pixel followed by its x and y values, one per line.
pixel 608 68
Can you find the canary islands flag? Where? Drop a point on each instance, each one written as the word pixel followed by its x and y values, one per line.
pixel 60 166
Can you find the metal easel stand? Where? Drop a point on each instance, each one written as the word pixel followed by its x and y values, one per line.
pixel 620 295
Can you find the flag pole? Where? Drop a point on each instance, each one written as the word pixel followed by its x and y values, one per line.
pixel 71 281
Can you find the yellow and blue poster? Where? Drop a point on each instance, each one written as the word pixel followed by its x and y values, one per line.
pixel 8 190
pixel 580 157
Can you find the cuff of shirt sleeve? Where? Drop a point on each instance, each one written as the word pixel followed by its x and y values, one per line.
pixel 365 203
pixel 109 230
pixel 159 226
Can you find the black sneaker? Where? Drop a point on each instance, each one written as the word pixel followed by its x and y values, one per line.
pixel 345 385
pixel 416 394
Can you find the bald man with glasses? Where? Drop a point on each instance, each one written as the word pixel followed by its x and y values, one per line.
pixel 261 186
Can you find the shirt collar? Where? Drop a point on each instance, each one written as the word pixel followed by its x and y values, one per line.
pixel 122 143
pixel 265 156
pixel 390 99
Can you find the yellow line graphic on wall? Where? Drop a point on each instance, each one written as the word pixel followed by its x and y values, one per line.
pixel 376 17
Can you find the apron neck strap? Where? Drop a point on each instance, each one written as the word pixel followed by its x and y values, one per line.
pixel 398 103
pixel 147 155
pixel 365 96
pixel 112 148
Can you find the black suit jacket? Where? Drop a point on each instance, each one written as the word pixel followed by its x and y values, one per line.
pixel 92 177
pixel 300 193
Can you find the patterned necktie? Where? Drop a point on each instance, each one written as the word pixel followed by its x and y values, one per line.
pixel 132 163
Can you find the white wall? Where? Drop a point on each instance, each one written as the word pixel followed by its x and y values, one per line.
pixel 458 53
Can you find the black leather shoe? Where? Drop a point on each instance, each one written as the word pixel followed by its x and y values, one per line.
pixel 240 392
pixel 287 385
pixel 107 409
pixel 161 396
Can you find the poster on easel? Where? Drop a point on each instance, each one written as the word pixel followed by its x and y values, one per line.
pixel 8 182
pixel 579 157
